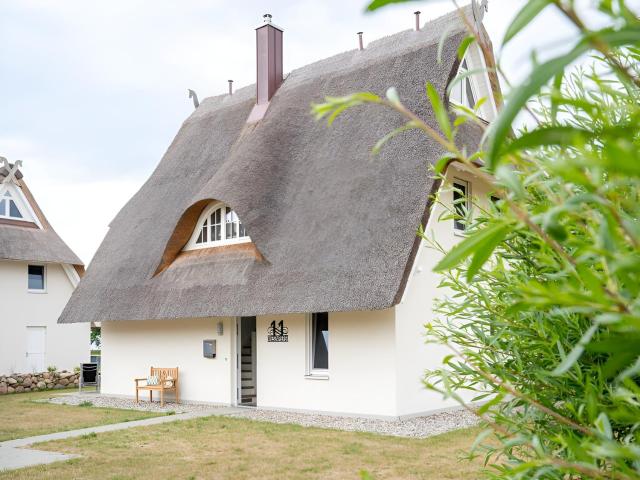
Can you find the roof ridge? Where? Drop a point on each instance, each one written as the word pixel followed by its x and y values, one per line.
pixel 353 58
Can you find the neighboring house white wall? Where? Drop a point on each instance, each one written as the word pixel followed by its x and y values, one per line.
pixel 130 348
pixel 361 376
pixel 415 309
pixel 66 346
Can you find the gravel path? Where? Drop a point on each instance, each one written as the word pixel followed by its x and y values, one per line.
pixel 417 427
pixel 98 400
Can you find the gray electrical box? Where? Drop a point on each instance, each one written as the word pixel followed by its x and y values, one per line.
pixel 209 348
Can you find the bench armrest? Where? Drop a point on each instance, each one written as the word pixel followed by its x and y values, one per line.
pixel 139 380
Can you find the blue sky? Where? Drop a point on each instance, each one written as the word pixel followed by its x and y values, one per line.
pixel 92 93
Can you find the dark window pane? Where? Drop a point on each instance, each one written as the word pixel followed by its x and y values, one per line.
pixel 3 206
pixel 205 233
pixel 241 231
pixel 13 210
pixel 460 205
pixel 36 277
pixel 471 101
pixel 320 331
pixel 199 240
pixel 215 233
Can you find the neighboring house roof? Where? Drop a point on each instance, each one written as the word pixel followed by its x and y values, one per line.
pixel 26 241
pixel 334 228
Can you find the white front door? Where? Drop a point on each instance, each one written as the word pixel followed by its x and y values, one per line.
pixel 36 342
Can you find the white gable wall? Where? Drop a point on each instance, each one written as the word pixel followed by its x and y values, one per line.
pixel 66 345
pixel 415 309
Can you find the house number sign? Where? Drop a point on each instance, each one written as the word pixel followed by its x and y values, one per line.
pixel 277 332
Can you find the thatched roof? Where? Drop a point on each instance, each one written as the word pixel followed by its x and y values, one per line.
pixel 25 241
pixel 334 228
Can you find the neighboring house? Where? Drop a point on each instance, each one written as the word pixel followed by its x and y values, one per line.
pixel 286 246
pixel 38 273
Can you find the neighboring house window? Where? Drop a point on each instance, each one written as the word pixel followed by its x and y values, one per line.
pixel 218 225
pixel 8 207
pixel 319 341
pixel 461 204
pixel 462 92
pixel 36 278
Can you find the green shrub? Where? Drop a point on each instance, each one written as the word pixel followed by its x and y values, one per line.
pixel 542 305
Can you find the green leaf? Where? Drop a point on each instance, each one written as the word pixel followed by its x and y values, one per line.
pixel 445 160
pixel 540 76
pixel 508 177
pixel 575 354
pixel 380 143
pixel 556 135
pixel 376 4
pixel 485 249
pixel 441 113
pixel 467 247
pixel 464 45
pixel 524 17
pixel 604 426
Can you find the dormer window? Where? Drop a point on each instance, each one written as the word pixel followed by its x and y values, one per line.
pixel 218 225
pixel 10 206
pixel 462 92
pixel 472 84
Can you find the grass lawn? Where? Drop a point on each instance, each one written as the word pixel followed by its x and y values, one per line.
pixel 23 417
pixel 232 448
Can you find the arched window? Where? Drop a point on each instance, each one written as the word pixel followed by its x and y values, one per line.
pixel 218 225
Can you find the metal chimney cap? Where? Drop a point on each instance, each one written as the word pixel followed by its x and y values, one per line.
pixel 266 21
pixel 417 12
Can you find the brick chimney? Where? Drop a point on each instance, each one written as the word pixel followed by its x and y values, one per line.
pixel 269 66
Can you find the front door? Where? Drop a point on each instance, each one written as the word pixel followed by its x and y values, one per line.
pixel 36 342
pixel 246 379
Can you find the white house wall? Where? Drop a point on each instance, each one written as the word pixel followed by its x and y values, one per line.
pixel 415 309
pixel 66 345
pixel 361 377
pixel 130 348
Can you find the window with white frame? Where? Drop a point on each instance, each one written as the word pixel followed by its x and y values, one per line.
pixel 461 204
pixel 218 225
pixel 472 83
pixel 319 343
pixel 36 278
pixel 463 91
pixel 9 206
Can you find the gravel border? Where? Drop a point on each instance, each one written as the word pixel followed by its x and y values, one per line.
pixel 105 401
pixel 415 427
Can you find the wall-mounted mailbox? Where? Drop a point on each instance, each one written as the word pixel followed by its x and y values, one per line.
pixel 209 348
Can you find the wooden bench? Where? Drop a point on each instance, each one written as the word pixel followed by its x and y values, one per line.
pixel 167 382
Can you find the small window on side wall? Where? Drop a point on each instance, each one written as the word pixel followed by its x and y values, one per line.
pixel 461 204
pixel 36 275
pixel 319 341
